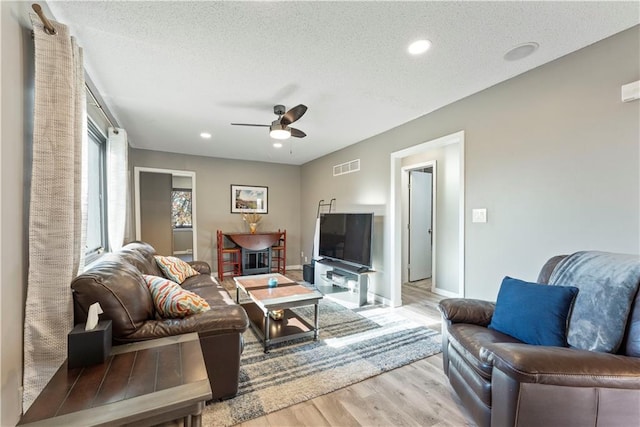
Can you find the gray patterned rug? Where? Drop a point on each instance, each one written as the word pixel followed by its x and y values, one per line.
pixel 353 346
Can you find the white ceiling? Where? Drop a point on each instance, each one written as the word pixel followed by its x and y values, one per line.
pixel 171 70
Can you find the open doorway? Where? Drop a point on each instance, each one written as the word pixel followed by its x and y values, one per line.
pixel 446 156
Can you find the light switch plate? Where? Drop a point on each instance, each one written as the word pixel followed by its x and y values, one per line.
pixel 479 215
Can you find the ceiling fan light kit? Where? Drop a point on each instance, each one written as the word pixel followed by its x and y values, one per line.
pixel 279 131
pixel 279 128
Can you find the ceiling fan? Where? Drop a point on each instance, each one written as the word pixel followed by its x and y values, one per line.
pixel 279 128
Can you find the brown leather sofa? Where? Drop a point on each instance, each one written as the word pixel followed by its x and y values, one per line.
pixel 503 382
pixel 116 282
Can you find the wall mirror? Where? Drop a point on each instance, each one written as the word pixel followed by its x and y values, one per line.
pixel 165 211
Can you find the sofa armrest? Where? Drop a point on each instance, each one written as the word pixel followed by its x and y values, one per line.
pixel 201 267
pixel 221 319
pixel 465 310
pixel 563 366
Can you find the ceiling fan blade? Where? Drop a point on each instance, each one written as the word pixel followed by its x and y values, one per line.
pixel 297 133
pixel 250 124
pixel 293 114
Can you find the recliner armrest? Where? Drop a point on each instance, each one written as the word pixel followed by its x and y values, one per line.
pixel 466 310
pixel 563 366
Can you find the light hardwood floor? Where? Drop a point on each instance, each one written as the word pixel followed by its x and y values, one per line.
pixel 417 394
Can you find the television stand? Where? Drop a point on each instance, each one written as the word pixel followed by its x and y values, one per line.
pixel 343 283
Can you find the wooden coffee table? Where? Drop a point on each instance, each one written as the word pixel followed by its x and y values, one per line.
pixel 143 384
pixel 265 300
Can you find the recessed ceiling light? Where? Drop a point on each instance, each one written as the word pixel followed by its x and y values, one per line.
pixel 277 144
pixel 419 46
pixel 521 51
pixel 205 135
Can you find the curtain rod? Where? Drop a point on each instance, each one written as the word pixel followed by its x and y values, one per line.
pixel 47 25
pixel 50 29
pixel 97 104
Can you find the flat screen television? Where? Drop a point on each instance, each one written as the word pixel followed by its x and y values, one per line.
pixel 346 237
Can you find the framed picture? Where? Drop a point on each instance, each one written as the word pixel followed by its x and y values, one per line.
pixel 245 198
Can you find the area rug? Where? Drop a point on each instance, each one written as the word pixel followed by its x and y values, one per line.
pixel 353 346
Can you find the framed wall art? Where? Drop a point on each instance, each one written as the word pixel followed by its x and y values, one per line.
pixel 246 198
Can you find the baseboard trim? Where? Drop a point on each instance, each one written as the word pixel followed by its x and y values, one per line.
pixel 445 293
pixel 379 299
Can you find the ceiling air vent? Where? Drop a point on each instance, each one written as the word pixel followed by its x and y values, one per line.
pixel 348 167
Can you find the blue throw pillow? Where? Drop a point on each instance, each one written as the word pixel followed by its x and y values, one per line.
pixel 533 313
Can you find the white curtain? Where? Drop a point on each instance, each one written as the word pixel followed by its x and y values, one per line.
pixel 117 178
pixel 57 210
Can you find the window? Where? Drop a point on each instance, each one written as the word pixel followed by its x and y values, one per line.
pixel 96 200
pixel 181 208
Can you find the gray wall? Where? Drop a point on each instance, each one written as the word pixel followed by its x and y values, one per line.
pixel 17 105
pixel 213 185
pixel 553 154
pixel 363 191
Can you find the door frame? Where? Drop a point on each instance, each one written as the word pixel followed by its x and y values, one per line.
pixel 394 248
pixel 174 172
pixel 406 170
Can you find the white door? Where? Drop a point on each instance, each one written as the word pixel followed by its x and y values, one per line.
pixel 420 228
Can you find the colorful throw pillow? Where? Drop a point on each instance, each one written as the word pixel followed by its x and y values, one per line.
pixel 174 268
pixel 170 300
pixel 533 313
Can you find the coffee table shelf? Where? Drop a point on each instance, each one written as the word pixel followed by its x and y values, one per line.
pixel 290 327
pixel 264 300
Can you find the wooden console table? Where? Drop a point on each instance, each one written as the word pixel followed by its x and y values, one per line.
pixel 257 250
pixel 254 242
pixel 144 383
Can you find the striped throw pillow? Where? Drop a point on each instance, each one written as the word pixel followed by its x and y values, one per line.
pixel 174 268
pixel 170 300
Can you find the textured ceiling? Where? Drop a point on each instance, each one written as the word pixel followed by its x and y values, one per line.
pixel 170 70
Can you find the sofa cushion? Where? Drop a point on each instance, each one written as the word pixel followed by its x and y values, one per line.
pixel 533 313
pixel 174 268
pixel 139 261
pixel 121 291
pixel 170 300
pixel 608 284
pixel 143 258
pixel 214 295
